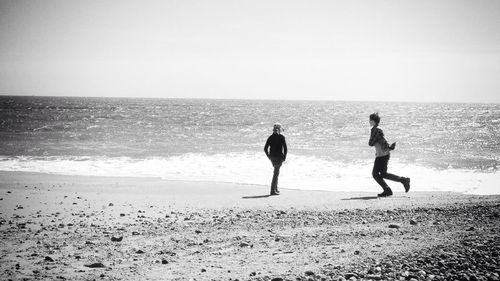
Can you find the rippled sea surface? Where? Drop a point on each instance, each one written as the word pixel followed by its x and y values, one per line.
pixel 206 135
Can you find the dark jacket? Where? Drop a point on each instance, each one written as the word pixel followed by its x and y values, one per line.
pixel 277 146
pixel 378 140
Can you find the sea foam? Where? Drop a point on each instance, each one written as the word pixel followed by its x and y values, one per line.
pixel 298 172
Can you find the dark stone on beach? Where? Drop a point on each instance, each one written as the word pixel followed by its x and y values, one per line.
pixel 122 215
pixel 394 226
pixel 168 253
pixel 49 259
pixel 203 270
pixel 277 279
pixel 135 233
pixel 95 265
pixel 356 252
pixel 309 273
pixel 350 275
pixel 116 239
pixel 197 231
pixel 139 252
pixel 164 261
pixel 111 204
pixel 243 244
pixel 471 228
pixel 373 277
pixel 413 222
pixel 253 273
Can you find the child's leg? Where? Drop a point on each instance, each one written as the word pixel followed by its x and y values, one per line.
pixel 389 176
pixel 378 171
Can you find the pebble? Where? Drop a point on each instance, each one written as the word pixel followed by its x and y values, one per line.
pixel 95 265
pixel 413 222
pixel 309 273
pixel 116 239
pixel 373 277
pixel 394 226
pixel 350 274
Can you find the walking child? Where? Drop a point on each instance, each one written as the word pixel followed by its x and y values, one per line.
pixel 382 155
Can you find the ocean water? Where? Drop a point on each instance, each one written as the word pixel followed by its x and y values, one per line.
pixel 441 146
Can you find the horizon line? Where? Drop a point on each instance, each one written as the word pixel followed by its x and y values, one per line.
pixel 243 99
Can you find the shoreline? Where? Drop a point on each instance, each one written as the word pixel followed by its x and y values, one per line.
pixel 33 176
pixel 204 194
pixel 81 228
pixel 325 176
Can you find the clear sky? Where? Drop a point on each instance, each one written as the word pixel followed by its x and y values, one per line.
pixel 386 50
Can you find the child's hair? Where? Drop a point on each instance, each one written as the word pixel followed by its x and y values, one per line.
pixel 375 117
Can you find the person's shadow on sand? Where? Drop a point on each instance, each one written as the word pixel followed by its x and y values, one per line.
pixel 361 198
pixel 256 197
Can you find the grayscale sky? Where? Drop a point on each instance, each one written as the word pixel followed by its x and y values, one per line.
pixel 387 50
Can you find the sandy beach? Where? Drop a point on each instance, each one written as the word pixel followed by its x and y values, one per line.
pixel 108 228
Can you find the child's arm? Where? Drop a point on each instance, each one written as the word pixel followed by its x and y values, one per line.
pixel 393 146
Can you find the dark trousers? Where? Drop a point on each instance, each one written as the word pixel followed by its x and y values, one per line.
pixel 379 172
pixel 276 161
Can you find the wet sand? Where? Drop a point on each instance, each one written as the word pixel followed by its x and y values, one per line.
pixel 104 228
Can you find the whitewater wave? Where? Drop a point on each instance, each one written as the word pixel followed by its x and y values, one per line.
pixel 298 172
